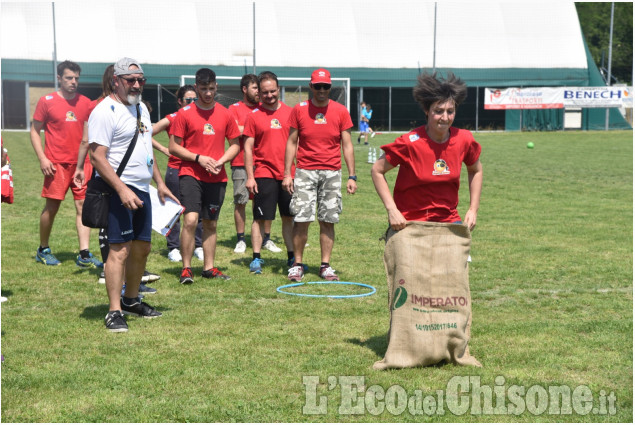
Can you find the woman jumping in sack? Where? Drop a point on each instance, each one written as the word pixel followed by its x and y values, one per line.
pixel 430 160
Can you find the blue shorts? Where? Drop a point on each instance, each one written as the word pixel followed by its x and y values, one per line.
pixel 125 225
pixel 363 127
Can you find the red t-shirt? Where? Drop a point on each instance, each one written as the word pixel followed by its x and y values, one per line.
pixel 63 125
pixel 320 133
pixel 270 130
pixel 203 132
pixel 173 161
pixel 239 111
pixel 427 186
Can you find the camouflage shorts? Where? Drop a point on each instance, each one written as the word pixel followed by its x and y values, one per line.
pixel 239 177
pixel 323 187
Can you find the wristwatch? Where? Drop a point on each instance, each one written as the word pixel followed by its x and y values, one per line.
pixel 352 178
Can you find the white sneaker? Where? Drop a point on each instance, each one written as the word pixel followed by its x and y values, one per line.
pixel 175 255
pixel 198 252
pixel 3 299
pixel 241 246
pixel 372 135
pixel 271 246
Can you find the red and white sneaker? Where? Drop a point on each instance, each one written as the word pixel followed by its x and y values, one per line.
pixel 328 273
pixel 296 273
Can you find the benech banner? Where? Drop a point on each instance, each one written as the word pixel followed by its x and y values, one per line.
pixel 558 97
pixel 597 97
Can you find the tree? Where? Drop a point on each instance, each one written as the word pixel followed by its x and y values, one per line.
pixel 595 20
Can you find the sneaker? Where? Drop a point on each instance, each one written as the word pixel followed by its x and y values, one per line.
pixel 327 273
pixel 149 277
pixel 140 309
pixel 186 276
pixel 115 322
pixel 372 134
pixel 198 253
pixel 102 278
pixel 146 289
pixel 214 273
pixel 296 273
pixel 291 260
pixel 123 291
pixel 86 263
pixel 256 266
pixel 271 246
pixel 241 246
pixel 175 255
pixel 46 257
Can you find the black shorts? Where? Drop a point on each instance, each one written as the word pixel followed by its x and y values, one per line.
pixel 201 197
pixel 270 193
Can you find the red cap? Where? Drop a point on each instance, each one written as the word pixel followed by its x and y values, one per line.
pixel 321 76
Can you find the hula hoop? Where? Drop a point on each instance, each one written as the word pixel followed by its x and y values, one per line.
pixel 294 285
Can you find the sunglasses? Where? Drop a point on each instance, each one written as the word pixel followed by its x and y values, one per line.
pixel 131 81
pixel 189 100
pixel 322 86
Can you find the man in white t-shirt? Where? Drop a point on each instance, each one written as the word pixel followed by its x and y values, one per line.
pixel 111 129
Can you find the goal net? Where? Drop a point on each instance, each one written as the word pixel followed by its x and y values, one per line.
pixel 292 90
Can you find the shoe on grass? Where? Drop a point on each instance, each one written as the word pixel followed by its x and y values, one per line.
pixel 123 291
pixel 296 273
pixel 187 277
pixel 214 273
pixel 87 263
pixel 291 260
pixel 175 255
pixel 140 309
pixel 115 322
pixel 328 273
pixel 46 257
pixel 271 246
pixel 198 253
pixel 149 277
pixel 256 266
pixel 102 278
pixel 241 246
pixel 146 289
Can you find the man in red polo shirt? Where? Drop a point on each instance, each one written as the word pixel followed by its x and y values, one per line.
pixel 267 130
pixel 199 131
pixel 62 115
pixel 323 128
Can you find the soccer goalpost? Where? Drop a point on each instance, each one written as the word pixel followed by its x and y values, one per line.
pixel 292 90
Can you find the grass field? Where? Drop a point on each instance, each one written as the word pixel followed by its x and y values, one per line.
pixel 551 283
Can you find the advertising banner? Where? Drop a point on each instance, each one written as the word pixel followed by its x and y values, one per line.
pixel 559 97
pixel 527 98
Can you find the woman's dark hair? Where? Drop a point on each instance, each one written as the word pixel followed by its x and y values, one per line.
pixel 180 93
pixel 431 88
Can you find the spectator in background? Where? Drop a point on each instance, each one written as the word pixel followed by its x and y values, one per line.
pixel 7 177
pixel 62 115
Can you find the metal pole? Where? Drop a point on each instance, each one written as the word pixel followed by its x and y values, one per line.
pixel 476 128
pixel 434 46
pixel 54 49
pixel 254 34
pixel 608 80
pixel 28 112
pixel 390 108
pixel 159 98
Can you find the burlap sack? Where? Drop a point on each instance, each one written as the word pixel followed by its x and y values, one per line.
pixel 429 296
